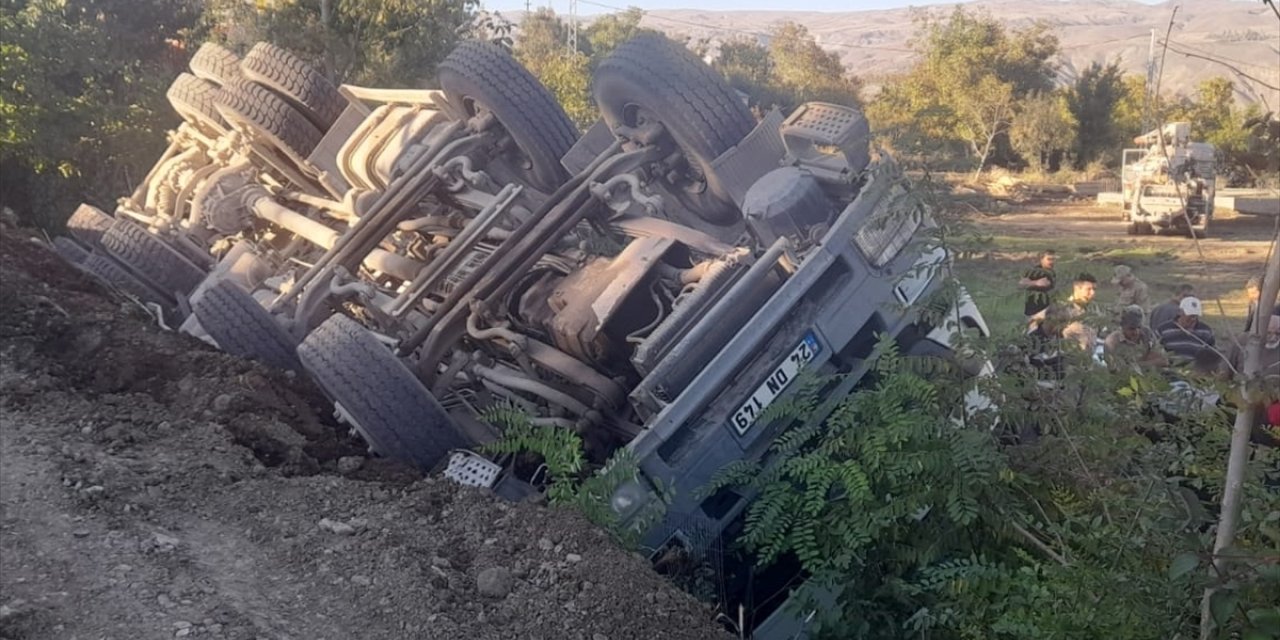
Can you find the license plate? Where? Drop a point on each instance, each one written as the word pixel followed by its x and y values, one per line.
pixel 773 386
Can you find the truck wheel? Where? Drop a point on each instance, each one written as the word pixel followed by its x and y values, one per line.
pixel 152 258
pixel 253 107
pixel 241 327
pixel 481 76
pixel 192 98
pixel 116 276
pixel 651 78
pixel 70 250
pixel 391 409
pixel 295 80
pixel 215 63
pixel 87 225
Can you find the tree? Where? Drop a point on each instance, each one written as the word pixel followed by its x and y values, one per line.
pixel 543 50
pixel 83 98
pixel 808 72
pixel 790 71
pixel 1044 125
pixel 608 31
pixel 387 43
pixel 971 72
pixel 1094 100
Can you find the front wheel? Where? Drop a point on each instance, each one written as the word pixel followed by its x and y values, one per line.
pixel 375 391
pixel 241 327
pixel 651 79
pixel 481 76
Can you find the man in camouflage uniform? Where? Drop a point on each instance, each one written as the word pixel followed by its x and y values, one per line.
pixel 1132 291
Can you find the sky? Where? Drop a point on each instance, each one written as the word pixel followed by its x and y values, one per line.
pixel 588 7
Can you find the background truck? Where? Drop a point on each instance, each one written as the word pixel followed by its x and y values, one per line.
pixel 1169 184
pixel 431 257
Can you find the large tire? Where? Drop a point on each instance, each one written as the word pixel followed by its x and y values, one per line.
pixel 152 258
pixel 215 63
pixel 116 276
pixel 193 98
pixel 241 327
pixel 87 225
pixel 652 78
pixel 397 416
pixel 296 81
pixel 480 76
pixel 70 250
pixel 269 116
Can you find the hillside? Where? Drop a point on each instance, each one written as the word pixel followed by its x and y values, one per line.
pixel 873 43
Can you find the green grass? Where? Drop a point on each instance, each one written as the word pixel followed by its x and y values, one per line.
pixel 991 268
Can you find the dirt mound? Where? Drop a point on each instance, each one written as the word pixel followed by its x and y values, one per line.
pixel 155 488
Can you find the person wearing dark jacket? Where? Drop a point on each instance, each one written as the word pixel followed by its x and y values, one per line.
pixel 1186 335
pixel 1253 290
pixel 1039 281
pixel 1169 309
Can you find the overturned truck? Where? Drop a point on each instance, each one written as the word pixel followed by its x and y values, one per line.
pixel 428 256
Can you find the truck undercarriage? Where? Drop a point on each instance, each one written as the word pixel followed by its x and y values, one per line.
pixel 428 256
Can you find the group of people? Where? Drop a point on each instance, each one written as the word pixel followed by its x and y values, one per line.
pixel 1172 332
pixel 1171 335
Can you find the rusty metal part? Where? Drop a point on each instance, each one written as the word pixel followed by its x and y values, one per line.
pixel 554 360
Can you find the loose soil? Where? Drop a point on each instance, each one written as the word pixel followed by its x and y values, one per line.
pixel 151 487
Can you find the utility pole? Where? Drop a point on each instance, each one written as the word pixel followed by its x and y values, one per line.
pixel 1149 89
pixel 573 27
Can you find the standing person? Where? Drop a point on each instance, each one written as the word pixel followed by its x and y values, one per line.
pixel 1039 281
pixel 1186 335
pixel 1080 309
pixel 1133 343
pixel 1168 310
pixel 1253 291
pixel 1131 289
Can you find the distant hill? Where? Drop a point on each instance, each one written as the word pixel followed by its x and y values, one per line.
pixel 875 43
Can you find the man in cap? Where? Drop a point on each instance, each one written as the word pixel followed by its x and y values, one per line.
pixel 1133 343
pixel 1169 309
pixel 1131 289
pixel 1187 334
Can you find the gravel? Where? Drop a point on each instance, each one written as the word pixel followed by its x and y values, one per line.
pixel 137 502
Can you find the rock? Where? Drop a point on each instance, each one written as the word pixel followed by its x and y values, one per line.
pixel 573 557
pixel 348 465
pixel 599 636
pixel 222 403
pixel 545 544
pixel 495 582
pixel 437 561
pixel 182 624
pixel 361 581
pixel 337 526
pixel 165 542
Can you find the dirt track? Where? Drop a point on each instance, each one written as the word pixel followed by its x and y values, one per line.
pixel 153 488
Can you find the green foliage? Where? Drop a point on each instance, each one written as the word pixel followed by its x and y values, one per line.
pixel 963 91
pixel 605 33
pixel 384 43
pixel 82 103
pixel 1216 118
pixel 1044 126
pixel 1108 108
pixel 790 71
pixel 560 450
pixel 1085 514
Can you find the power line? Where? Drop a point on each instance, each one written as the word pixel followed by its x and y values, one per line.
pixel 1221 62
